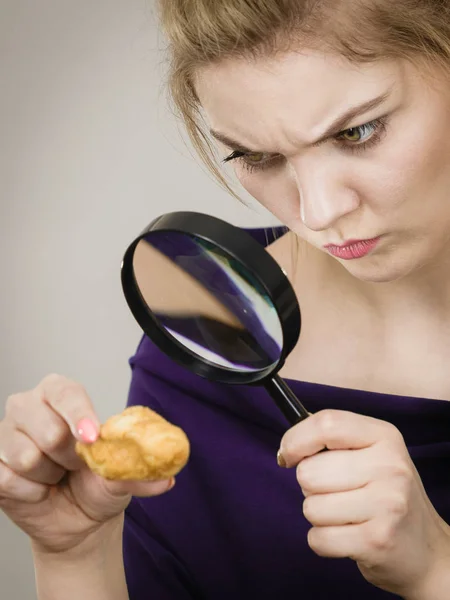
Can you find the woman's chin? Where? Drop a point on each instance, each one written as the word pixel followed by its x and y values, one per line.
pixel 377 271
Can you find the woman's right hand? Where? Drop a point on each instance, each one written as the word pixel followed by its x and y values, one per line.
pixel 45 488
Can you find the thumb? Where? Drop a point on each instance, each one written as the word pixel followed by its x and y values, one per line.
pixel 141 489
pixel 102 499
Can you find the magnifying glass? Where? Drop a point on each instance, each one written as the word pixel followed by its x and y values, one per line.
pixel 214 300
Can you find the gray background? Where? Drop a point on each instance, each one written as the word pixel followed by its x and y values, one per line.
pixel 89 154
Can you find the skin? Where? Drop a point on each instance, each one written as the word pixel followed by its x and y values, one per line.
pixel 364 499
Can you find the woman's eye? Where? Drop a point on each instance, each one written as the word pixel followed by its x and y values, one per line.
pixel 352 135
pixel 255 158
pixel 359 134
pixel 251 160
pixel 353 139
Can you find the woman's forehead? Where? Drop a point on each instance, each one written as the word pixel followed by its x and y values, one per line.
pixel 309 89
pixel 306 74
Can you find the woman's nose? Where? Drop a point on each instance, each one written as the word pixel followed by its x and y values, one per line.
pixel 324 197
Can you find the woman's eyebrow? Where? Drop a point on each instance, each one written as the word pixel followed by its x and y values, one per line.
pixel 228 141
pixel 343 121
pixel 338 125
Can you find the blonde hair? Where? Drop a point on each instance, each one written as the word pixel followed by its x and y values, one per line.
pixel 201 32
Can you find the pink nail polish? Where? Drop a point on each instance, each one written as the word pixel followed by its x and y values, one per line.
pixel 87 430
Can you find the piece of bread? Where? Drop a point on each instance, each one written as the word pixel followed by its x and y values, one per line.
pixel 137 444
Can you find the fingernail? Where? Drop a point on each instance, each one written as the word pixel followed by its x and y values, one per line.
pixel 280 460
pixel 171 483
pixel 87 430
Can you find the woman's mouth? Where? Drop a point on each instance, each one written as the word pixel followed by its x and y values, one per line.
pixel 352 248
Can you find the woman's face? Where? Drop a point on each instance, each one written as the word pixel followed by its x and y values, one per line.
pixel 356 157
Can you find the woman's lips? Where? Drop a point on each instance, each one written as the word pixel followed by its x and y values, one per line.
pixel 352 248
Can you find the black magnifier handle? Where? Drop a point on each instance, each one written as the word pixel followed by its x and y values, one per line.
pixel 286 400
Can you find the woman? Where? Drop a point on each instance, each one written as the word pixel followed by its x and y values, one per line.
pixel 335 116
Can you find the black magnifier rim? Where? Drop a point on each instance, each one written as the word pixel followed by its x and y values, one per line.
pixel 242 247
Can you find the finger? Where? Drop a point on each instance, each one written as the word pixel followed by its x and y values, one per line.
pixel 22 456
pixel 333 430
pixel 364 542
pixel 46 428
pixel 71 401
pixel 343 508
pixel 337 471
pixel 337 542
pixel 16 488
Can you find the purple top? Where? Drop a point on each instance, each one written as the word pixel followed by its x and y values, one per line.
pixel 233 527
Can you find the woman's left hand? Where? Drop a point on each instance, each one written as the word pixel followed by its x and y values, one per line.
pixel 365 500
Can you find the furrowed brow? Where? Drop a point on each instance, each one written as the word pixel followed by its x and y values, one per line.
pixel 337 126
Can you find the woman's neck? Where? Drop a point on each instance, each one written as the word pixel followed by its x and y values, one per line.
pixel 426 291
pixel 387 337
